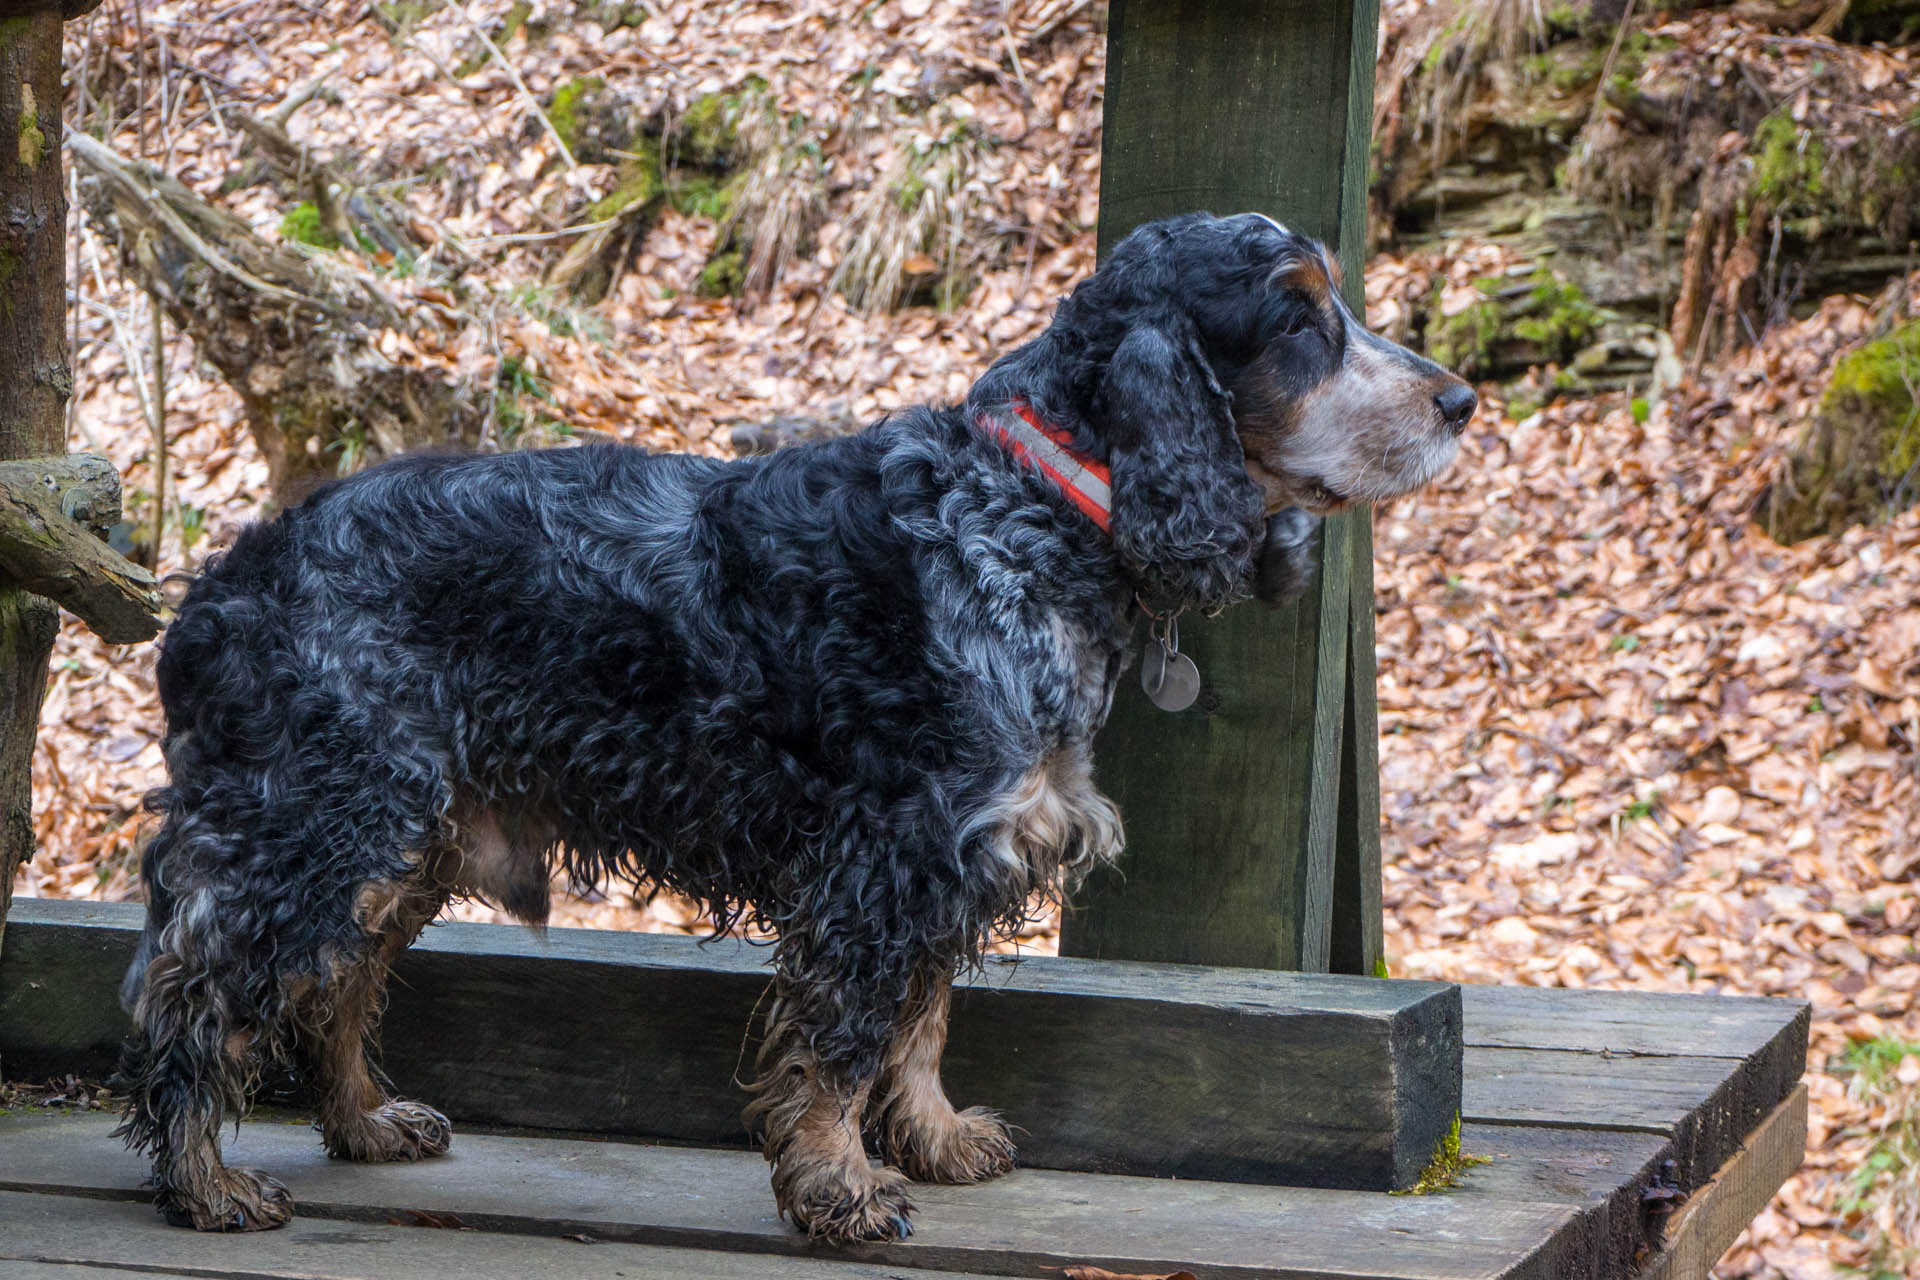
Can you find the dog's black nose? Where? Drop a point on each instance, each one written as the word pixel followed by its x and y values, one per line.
pixel 1457 404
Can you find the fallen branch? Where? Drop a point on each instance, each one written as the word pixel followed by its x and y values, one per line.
pixel 304 337
pixel 53 512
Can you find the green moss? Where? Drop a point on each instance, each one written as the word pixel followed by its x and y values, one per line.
pixel 1874 387
pixel 33 143
pixel 1380 968
pixel 1463 341
pixel 708 134
pixel 701 195
pixel 564 110
pixel 302 225
pixel 1448 1168
pixel 1557 316
pixel 1788 165
pixel 640 182
pixel 724 276
pixel 401 16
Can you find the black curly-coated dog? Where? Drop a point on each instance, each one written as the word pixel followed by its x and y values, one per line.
pixel 846 692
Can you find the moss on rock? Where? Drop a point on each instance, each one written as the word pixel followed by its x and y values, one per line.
pixel 1860 458
pixel 1788 165
pixel 564 110
pixel 302 224
pixel 723 276
pixel 639 182
pixel 1463 341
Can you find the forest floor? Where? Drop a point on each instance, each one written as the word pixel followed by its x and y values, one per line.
pixel 1627 740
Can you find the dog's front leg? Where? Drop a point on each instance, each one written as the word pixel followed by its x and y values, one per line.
pixel 811 1116
pixel 922 1131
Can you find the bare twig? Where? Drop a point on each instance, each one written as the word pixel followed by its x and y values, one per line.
pixel 158 422
pixel 460 10
pixel 1606 68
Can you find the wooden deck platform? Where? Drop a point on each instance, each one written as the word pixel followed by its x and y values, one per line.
pixel 1583 1100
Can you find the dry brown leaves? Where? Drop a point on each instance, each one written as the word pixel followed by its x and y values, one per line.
pixel 1626 740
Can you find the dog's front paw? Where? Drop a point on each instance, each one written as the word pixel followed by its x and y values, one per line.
pixel 234 1200
pixel 842 1203
pixel 1286 560
pixel 961 1147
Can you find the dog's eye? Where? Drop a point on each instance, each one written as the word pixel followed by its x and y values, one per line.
pixel 1292 326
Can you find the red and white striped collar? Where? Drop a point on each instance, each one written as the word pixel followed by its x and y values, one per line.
pixel 1085 480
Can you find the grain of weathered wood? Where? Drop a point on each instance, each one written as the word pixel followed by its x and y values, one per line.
pixel 1636 1022
pixel 1601 1173
pixel 1232 806
pixel 1703 1106
pixel 123 1237
pixel 1358 942
pixel 1017 1225
pixel 1558 1200
pixel 1715 1214
pixel 1147 1069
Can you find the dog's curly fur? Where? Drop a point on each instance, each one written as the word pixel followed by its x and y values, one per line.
pixel 846 692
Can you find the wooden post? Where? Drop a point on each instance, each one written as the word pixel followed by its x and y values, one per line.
pixel 35 379
pixel 1252 818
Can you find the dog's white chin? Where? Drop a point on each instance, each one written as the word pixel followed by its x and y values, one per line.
pixel 1327 495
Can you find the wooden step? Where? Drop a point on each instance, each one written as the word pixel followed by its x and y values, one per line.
pixel 1174 1070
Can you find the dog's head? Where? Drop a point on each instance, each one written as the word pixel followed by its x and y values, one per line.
pixel 1216 366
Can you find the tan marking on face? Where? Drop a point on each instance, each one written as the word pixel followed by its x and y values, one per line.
pixel 1308 274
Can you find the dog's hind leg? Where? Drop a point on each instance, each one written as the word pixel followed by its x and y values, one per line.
pixel 197 1019
pixel 359 1120
pixel 919 1128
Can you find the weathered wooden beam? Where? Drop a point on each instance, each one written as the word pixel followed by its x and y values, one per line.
pixel 51 513
pixel 1148 1069
pixel 1247 817
pixel 1713 1216
pixel 1563 1198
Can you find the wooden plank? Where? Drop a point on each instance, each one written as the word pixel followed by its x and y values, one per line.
pixel 67 1238
pixel 1358 942
pixel 1602 1173
pixel 1706 1226
pixel 1597 1174
pixel 1016 1225
pixel 1251 1076
pixel 1232 806
pixel 1703 1106
pixel 1638 1022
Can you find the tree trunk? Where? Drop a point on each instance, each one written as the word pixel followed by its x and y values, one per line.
pixel 35 385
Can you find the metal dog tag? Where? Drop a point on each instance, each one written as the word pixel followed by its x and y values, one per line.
pixel 1168 676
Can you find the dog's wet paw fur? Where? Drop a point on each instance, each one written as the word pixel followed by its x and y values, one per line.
pixel 841 1204
pixel 968 1146
pixel 236 1200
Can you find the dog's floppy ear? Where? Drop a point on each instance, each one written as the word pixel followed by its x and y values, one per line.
pixel 1187 519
